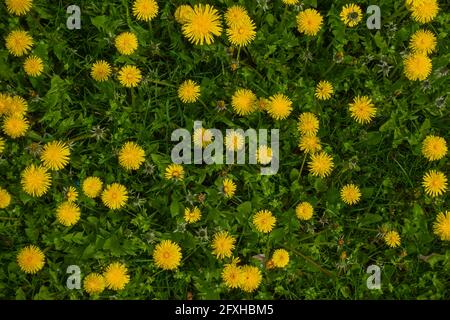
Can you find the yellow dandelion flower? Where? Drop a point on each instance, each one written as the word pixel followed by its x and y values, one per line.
pixel 116 276
pixel 101 71
pixel 31 259
pixel 229 187
pixel 234 141
pixel 350 194
pixel 263 104
pixel 264 154
pixel 35 180
pixel 33 66
pixel 309 22
pixel 304 211
pixel 18 7
pixel 5 198
pixel 290 2
pixel 15 126
pixel 131 156
pixel 280 258
pixel 321 164
pixel 130 76
pixel 308 124
pixel 423 41
pixel 115 196
pixel 68 214
pixel 435 183
pixel 183 13
pixel 250 278
pixel 242 34
pixel 223 244
pixel 392 239
pixel 425 11
pixel 232 275
pixel 145 10
pixel 243 102
pixel 17 106
pixel 441 226
pixel 203 25
pixel 55 155
pixel 19 42
pixel 167 255
pixel 92 186
pixel 72 194
pixel 235 15
pixel 94 283
pixel 174 172
pixel 434 147
pixel 351 14
pixel 280 106
pixel 189 91
pixel 192 215
pixel 4 103
pixel 202 137
pixel 417 66
pixel 324 90
pixel 362 109
pixel 310 144
pixel 126 43
pixel 264 221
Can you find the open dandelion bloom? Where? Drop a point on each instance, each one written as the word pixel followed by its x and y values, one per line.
pixel 19 42
pixel 183 13
pixel 101 71
pixel 321 164
pixel 351 14
pixel 235 15
pixel 126 43
pixel 232 275
pixel 264 155
pixel 192 215
pixel 33 66
pixel 5 198
pixel 55 155
pixel 280 106
pixel 203 25
pixel 250 278
pixel 4 103
pixel 362 109
pixel 130 76
pixel 435 183
pixel 145 10
pixel 223 244
pixel 242 34
pixel 30 259
pixel 15 126
pixel 68 214
pixel 425 10
pixel 264 221
pixel 290 2
pixel 189 91
pixel 423 41
pixel 280 258
pixel 131 156
pixel 202 137
pixel 324 90
pixel 441 226
pixel 167 255
pixel 234 141
pixel 308 124
pixel 304 211
pixel 417 66
pixel 392 239
pixel 17 106
pixel 116 276
pixel 115 196
pixel 350 194
pixel 18 7
pixel 229 188
pixel 94 283
pixel 434 147
pixel 72 194
pixel 310 144
pixel 174 172
pixel 35 180
pixel 309 22
pixel 92 186
pixel 243 102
